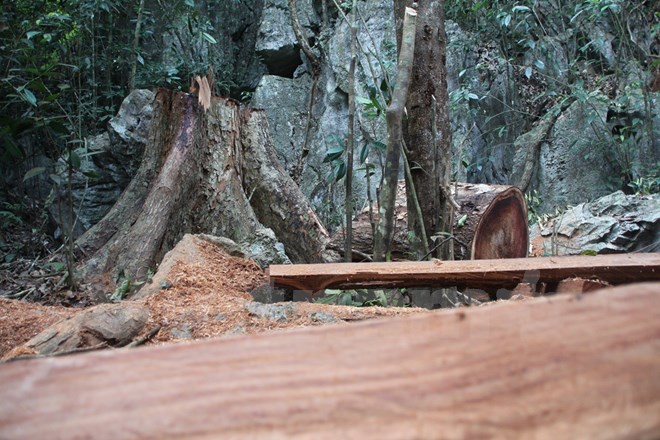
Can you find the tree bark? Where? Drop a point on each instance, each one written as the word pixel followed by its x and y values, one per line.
pixel 395 113
pixel 428 133
pixel 192 179
pixel 277 201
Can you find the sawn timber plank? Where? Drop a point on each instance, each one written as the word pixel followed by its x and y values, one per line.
pixel 479 274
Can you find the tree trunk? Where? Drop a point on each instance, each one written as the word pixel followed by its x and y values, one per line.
pixel 428 133
pixel 192 179
pixel 395 113
pixel 494 226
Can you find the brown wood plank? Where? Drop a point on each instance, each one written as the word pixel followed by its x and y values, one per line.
pixel 548 368
pixel 481 274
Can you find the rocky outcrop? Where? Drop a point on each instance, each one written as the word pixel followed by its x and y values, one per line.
pixel 286 101
pixel 614 223
pixel 276 45
pixel 108 163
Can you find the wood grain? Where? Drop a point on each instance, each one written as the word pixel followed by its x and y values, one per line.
pixel 481 274
pixel 560 367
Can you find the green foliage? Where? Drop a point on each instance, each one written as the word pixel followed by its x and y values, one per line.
pixel 533 202
pixel 364 298
pixel 646 185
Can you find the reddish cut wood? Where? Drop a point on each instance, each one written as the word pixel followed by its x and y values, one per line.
pixel 480 274
pixel 565 367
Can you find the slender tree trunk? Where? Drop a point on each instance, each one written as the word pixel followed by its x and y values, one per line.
pixel 136 44
pixel 395 113
pixel 350 144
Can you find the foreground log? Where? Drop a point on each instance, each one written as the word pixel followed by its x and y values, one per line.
pixel 191 180
pixel 491 223
pixel 479 274
pixel 566 367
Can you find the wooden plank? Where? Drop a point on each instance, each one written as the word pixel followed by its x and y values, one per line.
pixel 561 367
pixel 481 274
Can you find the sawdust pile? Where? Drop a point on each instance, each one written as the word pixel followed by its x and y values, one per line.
pixel 20 321
pixel 210 297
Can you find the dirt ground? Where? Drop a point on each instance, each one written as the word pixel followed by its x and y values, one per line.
pixel 199 292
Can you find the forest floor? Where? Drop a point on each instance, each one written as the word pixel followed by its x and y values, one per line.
pixel 198 292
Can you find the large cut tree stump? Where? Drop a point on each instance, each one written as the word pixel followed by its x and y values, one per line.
pixel 491 223
pixel 202 171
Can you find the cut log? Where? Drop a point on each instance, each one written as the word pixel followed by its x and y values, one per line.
pixel 565 367
pixel 491 223
pixel 495 222
pixel 479 274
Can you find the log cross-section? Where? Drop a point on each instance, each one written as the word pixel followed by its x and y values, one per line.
pixel 478 274
pixel 561 368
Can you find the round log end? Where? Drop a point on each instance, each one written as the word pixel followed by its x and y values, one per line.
pixel 502 231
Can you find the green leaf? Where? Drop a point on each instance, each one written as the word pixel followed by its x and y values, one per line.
pixel 56 179
pixel 520 8
pixel 363 100
pixel 340 171
pixel 364 153
pixel 28 96
pixel 190 3
pixel 345 299
pixel 528 72
pixel 140 59
pixel 462 220
pixel 589 252
pixel 74 160
pixel 209 38
pixel 473 96
pixel 540 64
pixel 33 173
pixel 379 145
pixel 333 153
pixel 92 174
pixel 31 34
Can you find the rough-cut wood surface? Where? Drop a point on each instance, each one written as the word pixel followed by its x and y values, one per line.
pixel 501 229
pixel 480 274
pixel 566 367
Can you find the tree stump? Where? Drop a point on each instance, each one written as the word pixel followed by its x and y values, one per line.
pixel 491 223
pixel 202 171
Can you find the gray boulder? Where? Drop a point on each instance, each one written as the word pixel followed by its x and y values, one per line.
pixel 614 223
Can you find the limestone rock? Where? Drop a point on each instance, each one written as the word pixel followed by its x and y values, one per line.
pixel 272 312
pixel 614 223
pixel 276 43
pixel 108 163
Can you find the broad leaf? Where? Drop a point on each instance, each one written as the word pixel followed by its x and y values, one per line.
pixel 33 173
